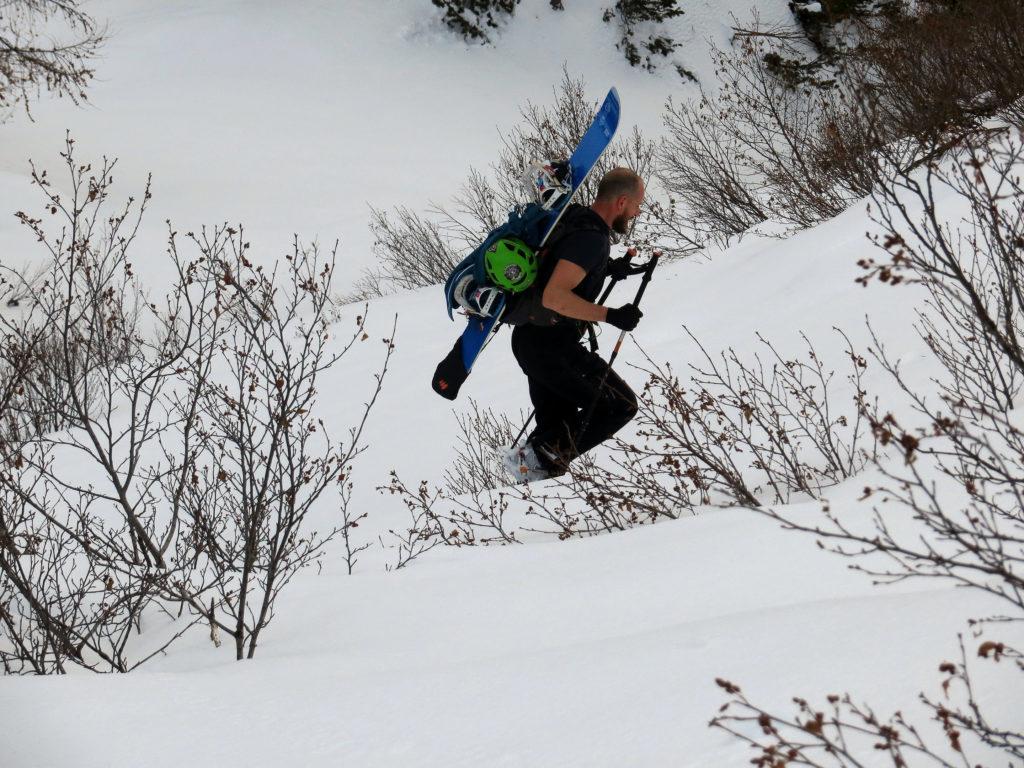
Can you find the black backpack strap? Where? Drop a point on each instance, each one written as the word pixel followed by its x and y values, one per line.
pixel 592 337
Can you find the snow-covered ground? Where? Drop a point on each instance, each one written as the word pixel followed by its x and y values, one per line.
pixel 294 118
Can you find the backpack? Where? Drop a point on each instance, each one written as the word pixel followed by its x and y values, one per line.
pixel 530 225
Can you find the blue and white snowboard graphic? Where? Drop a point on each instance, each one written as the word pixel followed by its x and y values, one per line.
pixel 454 369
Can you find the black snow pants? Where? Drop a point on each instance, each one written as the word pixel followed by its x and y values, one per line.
pixel 564 377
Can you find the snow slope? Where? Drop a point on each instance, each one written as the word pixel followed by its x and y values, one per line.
pixel 294 118
pixel 579 653
pixel 586 653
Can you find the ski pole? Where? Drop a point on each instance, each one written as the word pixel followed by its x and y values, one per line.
pixel 602 300
pixel 648 270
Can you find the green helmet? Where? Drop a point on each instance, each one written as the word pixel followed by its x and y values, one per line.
pixel 511 264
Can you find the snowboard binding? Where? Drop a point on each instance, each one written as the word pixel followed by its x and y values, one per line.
pixel 550 183
pixel 476 299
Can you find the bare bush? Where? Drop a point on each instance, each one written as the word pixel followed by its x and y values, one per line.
pixel 483 437
pixel 748 433
pixel 87 553
pixel 842 732
pixel 793 135
pixel 425 529
pixel 56 359
pixel 947 66
pixel 350 520
pixel 703 168
pixel 593 497
pixel 767 144
pixel 439 517
pixel 627 489
pixel 970 263
pixel 952 509
pixel 190 455
pixel 260 456
pixel 752 430
pixel 972 269
pixel 33 60
pixel 413 252
pixel 481 503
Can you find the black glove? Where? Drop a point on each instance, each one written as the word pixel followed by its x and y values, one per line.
pixel 618 269
pixel 625 317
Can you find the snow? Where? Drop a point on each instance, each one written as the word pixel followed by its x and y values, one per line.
pixel 594 652
pixel 295 118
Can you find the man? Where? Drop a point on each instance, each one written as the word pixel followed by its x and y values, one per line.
pixel 564 376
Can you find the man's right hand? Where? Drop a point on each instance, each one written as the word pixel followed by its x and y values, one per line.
pixel 624 318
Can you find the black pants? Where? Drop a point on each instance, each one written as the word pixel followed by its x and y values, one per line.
pixel 564 378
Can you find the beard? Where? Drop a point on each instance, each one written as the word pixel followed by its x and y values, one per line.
pixel 621 224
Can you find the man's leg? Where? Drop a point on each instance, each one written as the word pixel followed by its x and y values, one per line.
pixel 555 416
pixel 614 406
pixel 563 372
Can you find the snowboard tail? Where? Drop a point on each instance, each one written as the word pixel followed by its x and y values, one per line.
pixel 452 372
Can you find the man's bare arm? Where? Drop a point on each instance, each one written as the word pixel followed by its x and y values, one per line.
pixel 558 295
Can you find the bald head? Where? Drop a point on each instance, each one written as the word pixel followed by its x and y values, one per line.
pixel 618 182
pixel 619 197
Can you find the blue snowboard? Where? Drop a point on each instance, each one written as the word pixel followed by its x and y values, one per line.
pixel 455 368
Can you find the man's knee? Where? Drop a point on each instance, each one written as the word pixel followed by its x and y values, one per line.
pixel 621 404
pixel 628 405
pixel 632 406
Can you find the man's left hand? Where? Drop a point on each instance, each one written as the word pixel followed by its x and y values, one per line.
pixel 619 269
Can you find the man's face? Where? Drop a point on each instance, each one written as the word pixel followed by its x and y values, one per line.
pixel 630 209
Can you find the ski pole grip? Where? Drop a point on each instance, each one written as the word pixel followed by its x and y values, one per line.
pixel 648 271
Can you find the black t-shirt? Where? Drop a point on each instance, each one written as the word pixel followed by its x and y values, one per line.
pixel 587 245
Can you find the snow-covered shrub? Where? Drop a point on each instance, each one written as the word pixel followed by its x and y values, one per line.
pixel 33 59
pixel 834 27
pixel 641 40
pixel 473 19
pixel 637 18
